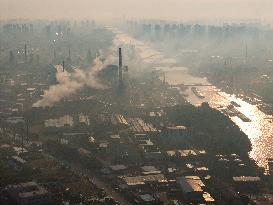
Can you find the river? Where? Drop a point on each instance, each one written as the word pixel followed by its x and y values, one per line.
pixel 259 129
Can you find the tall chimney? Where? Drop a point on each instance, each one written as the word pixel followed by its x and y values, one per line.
pixel 120 67
pixel 246 54
pixel 0 47
pixel 11 57
pixel 27 134
pixel 25 53
pixel 69 53
pixel 63 66
pixel 54 56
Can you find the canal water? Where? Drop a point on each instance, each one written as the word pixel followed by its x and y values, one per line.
pixel 259 129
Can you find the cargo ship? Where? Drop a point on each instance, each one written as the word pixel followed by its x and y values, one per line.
pixel 235 104
pixel 232 111
pixel 243 117
pixel 197 92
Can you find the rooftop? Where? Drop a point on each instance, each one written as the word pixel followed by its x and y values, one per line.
pixel 141 180
pixel 26 190
pixel 196 179
pixel 178 127
pixel 246 179
pixel 20 150
pixel 207 197
pixel 171 153
pixel 19 159
pixel 186 153
pixel 118 167
pixel 147 197
pixel 150 170
pixel 15 120
pixel 145 142
pixel 189 185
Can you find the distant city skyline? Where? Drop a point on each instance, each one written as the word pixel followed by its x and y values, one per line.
pixel 163 9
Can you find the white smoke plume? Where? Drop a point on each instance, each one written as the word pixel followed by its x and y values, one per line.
pixel 69 83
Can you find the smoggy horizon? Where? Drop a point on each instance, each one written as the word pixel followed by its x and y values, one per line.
pixel 206 10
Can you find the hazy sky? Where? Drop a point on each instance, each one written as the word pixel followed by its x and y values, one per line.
pixel 107 9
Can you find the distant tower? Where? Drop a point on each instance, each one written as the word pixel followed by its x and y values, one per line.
pixel 69 53
pixel 31 58
pixel 27 131
pixel 54 56
pixel 246 54
pixel 225 66
pixel 25 53
pixel 11 57
pixel 63 66
pixel 89 56
pixel 37 59
pixel 0 47
pixel 120 66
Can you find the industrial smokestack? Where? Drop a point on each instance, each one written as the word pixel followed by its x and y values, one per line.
pixel 69 53
pixel 120 67
pixel 120 58
pixel 27 131
pixel 63 66
pixel 54 56
pixel 246 54
pixel 25 53
pixel 0 47
pixel 11 57
pixel 37 59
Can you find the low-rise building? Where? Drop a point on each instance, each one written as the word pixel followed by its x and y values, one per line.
pixel 177 131
pixel 270 165
pixel 150 170
pixel 118 167
pixel 16 162
pixel 247 183
pixel 28 193
pixel 142 180
pixel 147 199
pixel 192 189
pixel 209 200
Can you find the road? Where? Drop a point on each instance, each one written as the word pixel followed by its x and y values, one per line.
pixel 94 180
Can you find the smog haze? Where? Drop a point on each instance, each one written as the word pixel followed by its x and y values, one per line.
pixel 136 102
pixel 108 9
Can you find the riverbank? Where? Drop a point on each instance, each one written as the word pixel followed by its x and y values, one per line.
pixel 258 130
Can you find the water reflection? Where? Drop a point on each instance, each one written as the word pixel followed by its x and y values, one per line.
pixel 259 129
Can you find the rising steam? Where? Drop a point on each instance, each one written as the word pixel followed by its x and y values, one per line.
pixel 71 82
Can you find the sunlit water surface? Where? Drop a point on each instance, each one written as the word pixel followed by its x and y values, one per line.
pixel 259 130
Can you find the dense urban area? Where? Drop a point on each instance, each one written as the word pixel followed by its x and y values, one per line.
pixel 94 114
